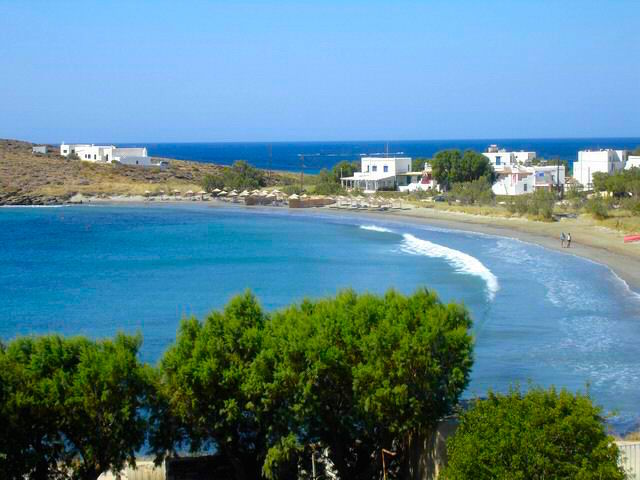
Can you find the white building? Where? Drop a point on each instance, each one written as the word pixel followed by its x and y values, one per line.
pixel 633 161
pixel 519 180
pixel 416 181
pixel 110 153
pixel 592 161
pixel 378 173
pixel 499 157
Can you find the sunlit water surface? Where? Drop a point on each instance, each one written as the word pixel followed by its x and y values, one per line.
pixel 540 316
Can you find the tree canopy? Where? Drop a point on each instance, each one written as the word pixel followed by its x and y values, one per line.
pixel 534 435
pixel 452 166
pixel 239 176
pixel 71 405
pixel 353 374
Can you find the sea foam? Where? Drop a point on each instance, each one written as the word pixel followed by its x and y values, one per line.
pixel 375 228
pixel 461 262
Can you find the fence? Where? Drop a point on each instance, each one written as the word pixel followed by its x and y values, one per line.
pixel 630 453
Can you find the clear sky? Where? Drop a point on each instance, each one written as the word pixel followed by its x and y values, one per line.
pixel 153 71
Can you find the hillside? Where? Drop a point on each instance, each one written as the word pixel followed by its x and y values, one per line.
pixel 28 179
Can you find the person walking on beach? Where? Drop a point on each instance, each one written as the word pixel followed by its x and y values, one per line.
pixel 568 240
pixel 562 238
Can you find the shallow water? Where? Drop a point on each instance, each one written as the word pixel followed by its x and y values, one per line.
pixel 539 315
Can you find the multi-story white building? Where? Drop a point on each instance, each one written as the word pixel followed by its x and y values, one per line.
pixel 519 180
pixel 592 161
pixel 378 173
pixel 500 158
pixel 633 161
pixel 110 153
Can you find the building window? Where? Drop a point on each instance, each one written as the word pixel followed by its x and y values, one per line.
pixel 386 168
pixel 525 187
pixel 374 168
pixel 95 157
pixel 497 160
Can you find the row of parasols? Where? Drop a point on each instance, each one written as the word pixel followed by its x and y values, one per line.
pixel 273 194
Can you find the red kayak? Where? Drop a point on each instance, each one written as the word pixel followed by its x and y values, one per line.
pixel 631 238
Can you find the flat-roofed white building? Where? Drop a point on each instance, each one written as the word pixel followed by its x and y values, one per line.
pixel 378 173
pixel 520 180
pixel 633 161
pixel 592 161
pixel 500 158
pixel 417 181
pixel 110 153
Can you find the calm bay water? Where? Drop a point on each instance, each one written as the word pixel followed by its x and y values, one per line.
pixel 317 155
pixel 538 315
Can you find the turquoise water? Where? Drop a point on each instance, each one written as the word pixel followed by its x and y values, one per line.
pixel 539 315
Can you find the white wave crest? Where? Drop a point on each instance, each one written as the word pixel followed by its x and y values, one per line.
pixel 461 262
pixel 375 228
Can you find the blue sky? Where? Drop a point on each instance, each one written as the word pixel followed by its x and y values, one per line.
pixel 158 70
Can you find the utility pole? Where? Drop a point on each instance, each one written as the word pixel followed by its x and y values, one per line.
pixel 301 173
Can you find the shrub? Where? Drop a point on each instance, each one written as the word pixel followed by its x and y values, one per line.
pixel 597 207
pixel 540 434
pixel 210 182
pixel 473 192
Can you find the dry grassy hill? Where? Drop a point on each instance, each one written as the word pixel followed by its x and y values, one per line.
pixel 30 179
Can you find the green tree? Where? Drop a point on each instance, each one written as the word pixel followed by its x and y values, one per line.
pixel 84 402
pixel 241 175
pixel 535 435
pixel 473 192
pixel 358 373
pixel 344 169
pixel 206 381
pixel 210 182
pixel 452 166
pixel 418 164
pixel 326 183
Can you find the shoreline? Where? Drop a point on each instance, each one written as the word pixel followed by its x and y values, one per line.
pixel 595 244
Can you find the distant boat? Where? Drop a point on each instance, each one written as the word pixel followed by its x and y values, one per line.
pixel 631 238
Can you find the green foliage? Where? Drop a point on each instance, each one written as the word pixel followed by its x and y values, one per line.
pixel 619 184
pixel 343 373
pixel 417 164
pixel 211 398
pixel 452 166
pixel 212 181
pixel 242 176
pixel 474 192
pixel 344 169
pixel 540 434
pixel 539 204
pixel 326 183
pixel 597 206
pixel 72 404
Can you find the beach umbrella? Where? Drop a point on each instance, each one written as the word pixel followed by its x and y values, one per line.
pixel 275 191
pixel 255 192
pixel 304 195
pixel 216 190
pixel 245 193
pixel 233 194
pixel 202 193
pixel 190 192
pixel 161 192
pixel 294 197
pixel 222 194
pixel 147 193
pixel 176 192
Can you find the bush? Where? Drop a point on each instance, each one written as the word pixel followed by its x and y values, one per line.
pixel 540 434
pixel 326 183
pixel 539 204
pixel 242 176
pixel 474 192
pixel 210 182
pixel 597 207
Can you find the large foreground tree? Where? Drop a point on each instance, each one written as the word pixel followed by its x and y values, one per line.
pixel 71 407
pixel 359 373
pixel 535 435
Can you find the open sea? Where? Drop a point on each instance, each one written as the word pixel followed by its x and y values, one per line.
pixel 318 155
pixel 541 316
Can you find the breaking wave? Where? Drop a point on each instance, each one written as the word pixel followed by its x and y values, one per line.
pixel 461 262
pixel 375 228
